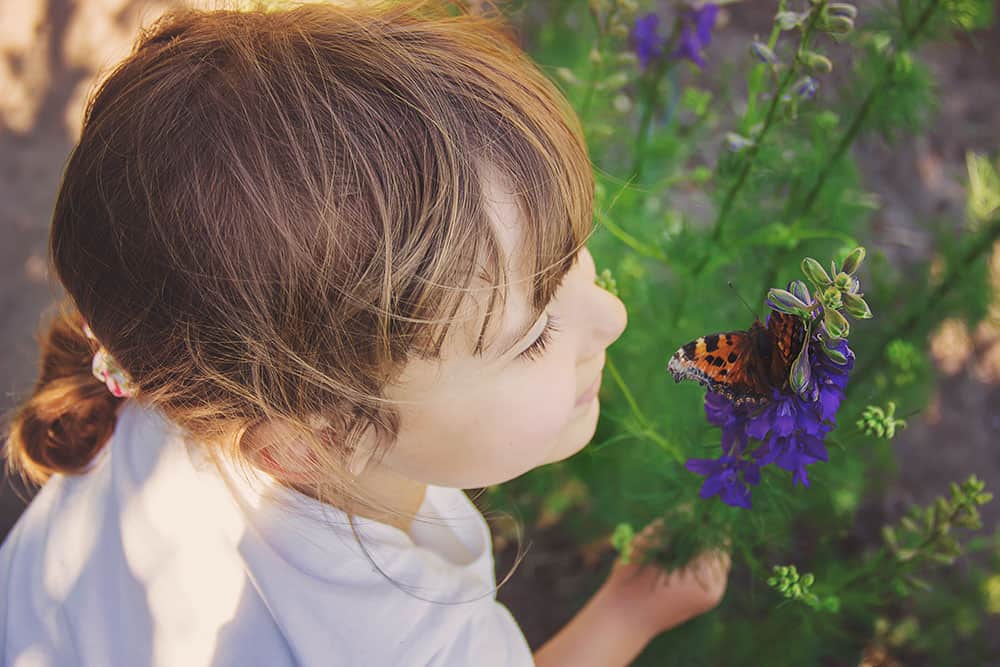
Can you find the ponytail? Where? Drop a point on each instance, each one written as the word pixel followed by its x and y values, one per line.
pixel 69 415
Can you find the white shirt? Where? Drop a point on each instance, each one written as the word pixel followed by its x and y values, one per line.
pixel 155 558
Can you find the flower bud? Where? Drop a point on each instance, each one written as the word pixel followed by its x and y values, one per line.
pixel 815 273
pixel 842 9
pixel 816 62
pixel 763 53
pixel 567 75
pixel 833 354
pixel 622 103
pixel 799 289
pixel 800 376
pixel 830 298
pixel 736 142
pixel 598 6
pixel 806 87
pixel 853 261
pixel 856 306
pixel 838 25
pixel 614 82
pixel 842 281
pixel 836 324
pixel 607 281
pixel 786 302
pixel 790 20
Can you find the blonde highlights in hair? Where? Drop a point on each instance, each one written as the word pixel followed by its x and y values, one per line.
pixel 269 211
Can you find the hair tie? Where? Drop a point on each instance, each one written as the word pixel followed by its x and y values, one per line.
pixel 106 369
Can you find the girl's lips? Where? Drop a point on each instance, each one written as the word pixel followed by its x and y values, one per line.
pixel 590 393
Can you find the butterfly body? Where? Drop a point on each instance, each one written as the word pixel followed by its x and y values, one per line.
pixel 743 366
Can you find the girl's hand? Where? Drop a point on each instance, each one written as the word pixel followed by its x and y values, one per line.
pixel 658 602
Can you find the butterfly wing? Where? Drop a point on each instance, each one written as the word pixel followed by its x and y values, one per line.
pixel 726 363
pixel 786 334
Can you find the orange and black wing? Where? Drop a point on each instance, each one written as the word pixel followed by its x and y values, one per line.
pixel 725 363
pixel 787 334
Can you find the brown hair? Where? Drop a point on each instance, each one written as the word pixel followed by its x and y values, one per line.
pixel 269 211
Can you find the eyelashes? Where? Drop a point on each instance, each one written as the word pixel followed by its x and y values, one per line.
pixel 536 349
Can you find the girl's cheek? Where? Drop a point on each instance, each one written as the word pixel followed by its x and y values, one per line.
pixel 540 400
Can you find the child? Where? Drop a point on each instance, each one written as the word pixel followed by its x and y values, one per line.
pixel 327 265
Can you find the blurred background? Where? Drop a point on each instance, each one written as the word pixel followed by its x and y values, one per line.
pixel 53 53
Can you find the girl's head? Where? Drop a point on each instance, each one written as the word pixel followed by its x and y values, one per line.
pixel 326 240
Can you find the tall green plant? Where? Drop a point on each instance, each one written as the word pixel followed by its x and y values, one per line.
pixel 692 198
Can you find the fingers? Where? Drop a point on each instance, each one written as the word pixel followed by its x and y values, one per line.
pixel 649 536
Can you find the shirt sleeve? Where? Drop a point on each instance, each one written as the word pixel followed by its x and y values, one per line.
pixel 490 638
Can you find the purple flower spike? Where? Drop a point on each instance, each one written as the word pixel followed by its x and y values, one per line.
pixel 696 34
pixel 704 19
pixel 647 43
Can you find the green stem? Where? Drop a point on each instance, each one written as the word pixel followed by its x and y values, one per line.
pixel 596 68
pixel 629 240
pixel 650 102
pixel 772 110
pixel 647 430
pixel 639 149
pixel 878 89
pixel 752 152
pixel 852 131
pixel 757 76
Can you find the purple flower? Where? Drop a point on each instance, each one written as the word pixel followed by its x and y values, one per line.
pixel 696 34
pixel 788 428
pixel 728 477
pixel 784 415
pixel 794 454
pixel 647 43
pixel 721 412
pixel 806 87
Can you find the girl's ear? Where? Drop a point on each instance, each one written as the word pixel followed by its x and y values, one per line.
pixel 274 448
pixel 362 453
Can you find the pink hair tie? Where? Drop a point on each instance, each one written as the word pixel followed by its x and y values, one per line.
pixel 106 369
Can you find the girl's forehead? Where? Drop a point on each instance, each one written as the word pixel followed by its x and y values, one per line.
pixel 511 321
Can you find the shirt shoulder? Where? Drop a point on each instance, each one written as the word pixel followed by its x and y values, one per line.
pixel 153 557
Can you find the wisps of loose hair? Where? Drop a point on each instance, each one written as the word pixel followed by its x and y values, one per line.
pixel 270 210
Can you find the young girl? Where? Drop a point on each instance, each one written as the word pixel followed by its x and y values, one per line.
pixel 325 268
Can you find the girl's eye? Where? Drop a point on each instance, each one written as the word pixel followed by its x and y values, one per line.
pixel 536 349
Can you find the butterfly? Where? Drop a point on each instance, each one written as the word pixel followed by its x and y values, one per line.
pixel 743 366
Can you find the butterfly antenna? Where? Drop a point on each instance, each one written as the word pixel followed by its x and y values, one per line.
pixel 740 297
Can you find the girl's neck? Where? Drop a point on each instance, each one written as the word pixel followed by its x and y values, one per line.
pixel 400 493
pixel 388 489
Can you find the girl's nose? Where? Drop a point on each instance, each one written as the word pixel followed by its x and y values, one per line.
pixel 610 318
pixel 606 311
